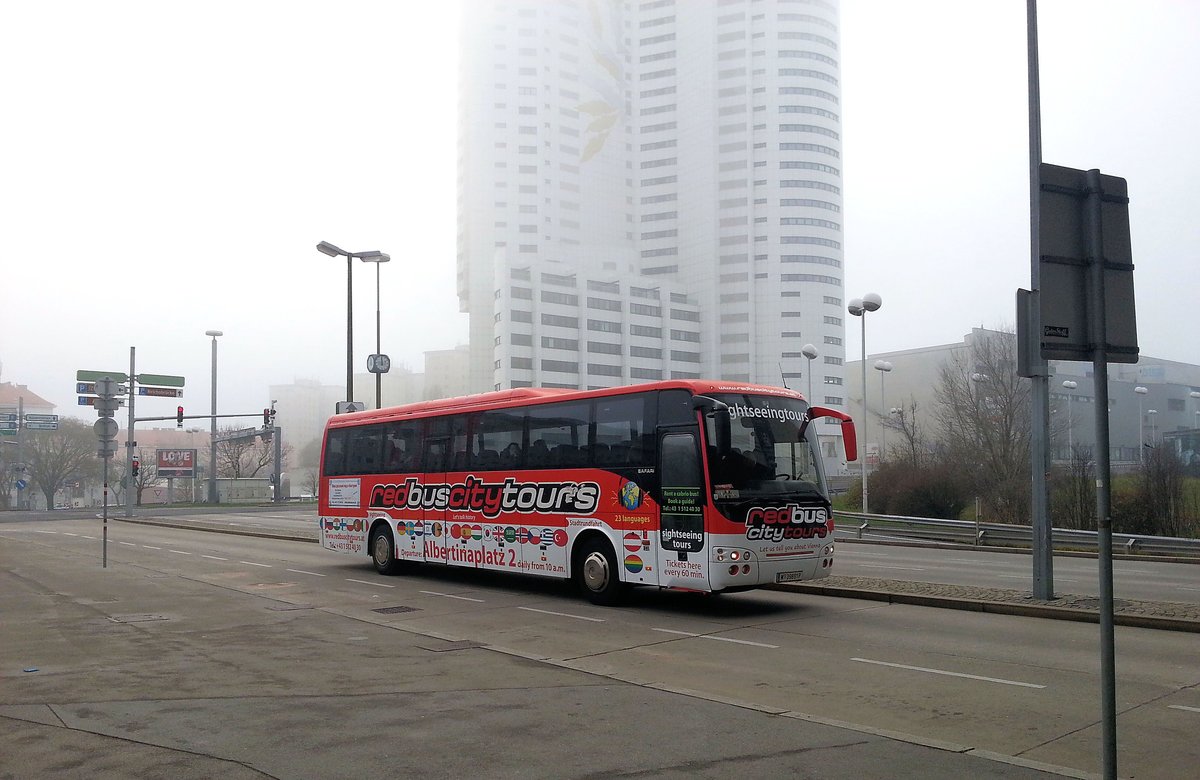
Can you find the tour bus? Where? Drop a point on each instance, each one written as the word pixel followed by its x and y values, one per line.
pixel 696 485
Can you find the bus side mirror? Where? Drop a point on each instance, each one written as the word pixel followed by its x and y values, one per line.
pixel 719 412
pixel 849 437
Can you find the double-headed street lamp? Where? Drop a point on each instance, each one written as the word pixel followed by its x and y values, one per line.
pixel 810 352
pixel 376 256
pixel 212 442
pixel 1141 391
pixel 859 308
pixel 884 368
pixel 1070 384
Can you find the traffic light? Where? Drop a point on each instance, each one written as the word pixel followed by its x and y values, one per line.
pixel 136 465
pixel 266 418
pixel 179 417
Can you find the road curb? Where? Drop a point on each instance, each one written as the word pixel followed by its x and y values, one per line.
pixel 993 607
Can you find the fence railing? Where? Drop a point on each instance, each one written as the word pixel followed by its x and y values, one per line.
pixel 998 534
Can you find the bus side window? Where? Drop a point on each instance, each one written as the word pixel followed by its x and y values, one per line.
pixel 335 453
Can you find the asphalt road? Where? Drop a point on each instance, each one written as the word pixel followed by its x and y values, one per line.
pixel 971 686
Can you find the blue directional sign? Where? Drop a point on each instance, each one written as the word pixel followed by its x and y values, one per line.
pixel 22 484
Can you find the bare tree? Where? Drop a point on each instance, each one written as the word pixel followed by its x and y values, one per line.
pixel 55 456
pixel 243 456
pixel 1073 491
pixel 983 412
pixel 906 422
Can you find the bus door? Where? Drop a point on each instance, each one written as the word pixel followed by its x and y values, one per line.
pixel 683 559
pixel 434 454
pixel 463 522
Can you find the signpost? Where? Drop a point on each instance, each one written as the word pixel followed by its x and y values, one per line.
pixel 106 431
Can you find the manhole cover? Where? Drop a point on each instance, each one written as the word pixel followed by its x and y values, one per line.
pixel 395 610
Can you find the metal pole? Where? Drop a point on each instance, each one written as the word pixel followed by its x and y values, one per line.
pixel 1043 550
pixel 810 397
pixel 864 424
pixel 378 348
pixel 349 328
pixel 883 410
pixel 1070 432
pixel 20 438
pixel 104 555
pixel 1108 685
pixel 130 442
pixel 212 441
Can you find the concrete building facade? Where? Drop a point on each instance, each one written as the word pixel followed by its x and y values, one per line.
pixel 651 190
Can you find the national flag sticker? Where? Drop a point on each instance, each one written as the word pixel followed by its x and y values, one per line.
pixel 633 542
pixel 633 564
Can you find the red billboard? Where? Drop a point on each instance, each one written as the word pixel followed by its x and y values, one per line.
pixel 175 463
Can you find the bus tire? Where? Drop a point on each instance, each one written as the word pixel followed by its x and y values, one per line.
pixel 596 572
pixel 383 550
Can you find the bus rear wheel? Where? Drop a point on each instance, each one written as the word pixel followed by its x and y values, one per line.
pixel 596 572
pixel 383 551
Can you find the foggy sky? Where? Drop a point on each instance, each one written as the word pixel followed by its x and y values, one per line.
pixel 168 169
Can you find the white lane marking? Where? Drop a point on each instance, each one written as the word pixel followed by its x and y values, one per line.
pixel 452 596
pixel 882 566
pixel 376 584
pixel 1181 707
pixel 179 552
pixel 949 674
pixel 45 532
pixel 68 533
pixel 302 571
pixel 716 638
pixel 844 551
pixel 148 547
pixel 974 563
pixel 1184 587
pixel 252 563
pixel 563 614
pixel 128 544
pixel 85 536
pixel 214 557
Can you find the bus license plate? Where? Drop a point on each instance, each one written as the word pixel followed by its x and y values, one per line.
pixel 789 576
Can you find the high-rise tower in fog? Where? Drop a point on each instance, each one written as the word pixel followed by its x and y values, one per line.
pixel 651 189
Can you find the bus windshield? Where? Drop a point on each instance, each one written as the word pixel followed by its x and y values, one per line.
pixel 773 451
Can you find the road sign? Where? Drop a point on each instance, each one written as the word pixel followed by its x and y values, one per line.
pixel 90 400
pixel 41 418
pixel 8 425
pixel 161 392
pixel 106 448
pixel 42 426
pixel 166 380
pixel 106 406
pixel 22 484
pixel 106 428
pixel 8 417
pixel 92 376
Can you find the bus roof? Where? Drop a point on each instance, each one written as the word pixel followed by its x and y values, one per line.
pixel 527 396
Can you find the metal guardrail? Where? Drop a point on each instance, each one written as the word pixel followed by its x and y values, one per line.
pixel 983 534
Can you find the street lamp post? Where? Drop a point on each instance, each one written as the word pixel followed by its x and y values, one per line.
pixel 1141 391
pixel 1070 384
pixel 810 352
pixel 1153 426
pixel 883 367
pixel 1196 395
pixel 212 441
pixel 327 248
pixel 859 308
pixel 378 258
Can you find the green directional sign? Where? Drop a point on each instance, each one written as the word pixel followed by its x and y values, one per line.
pixel 162 380
pixel 92 376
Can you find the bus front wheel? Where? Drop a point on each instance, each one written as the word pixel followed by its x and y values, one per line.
pixel 383 551
pixel 597 574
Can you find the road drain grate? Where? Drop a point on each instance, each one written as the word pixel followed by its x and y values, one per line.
pixel 144 618
pixel 395 610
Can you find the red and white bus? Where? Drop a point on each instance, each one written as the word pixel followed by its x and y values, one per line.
pixel 697 485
